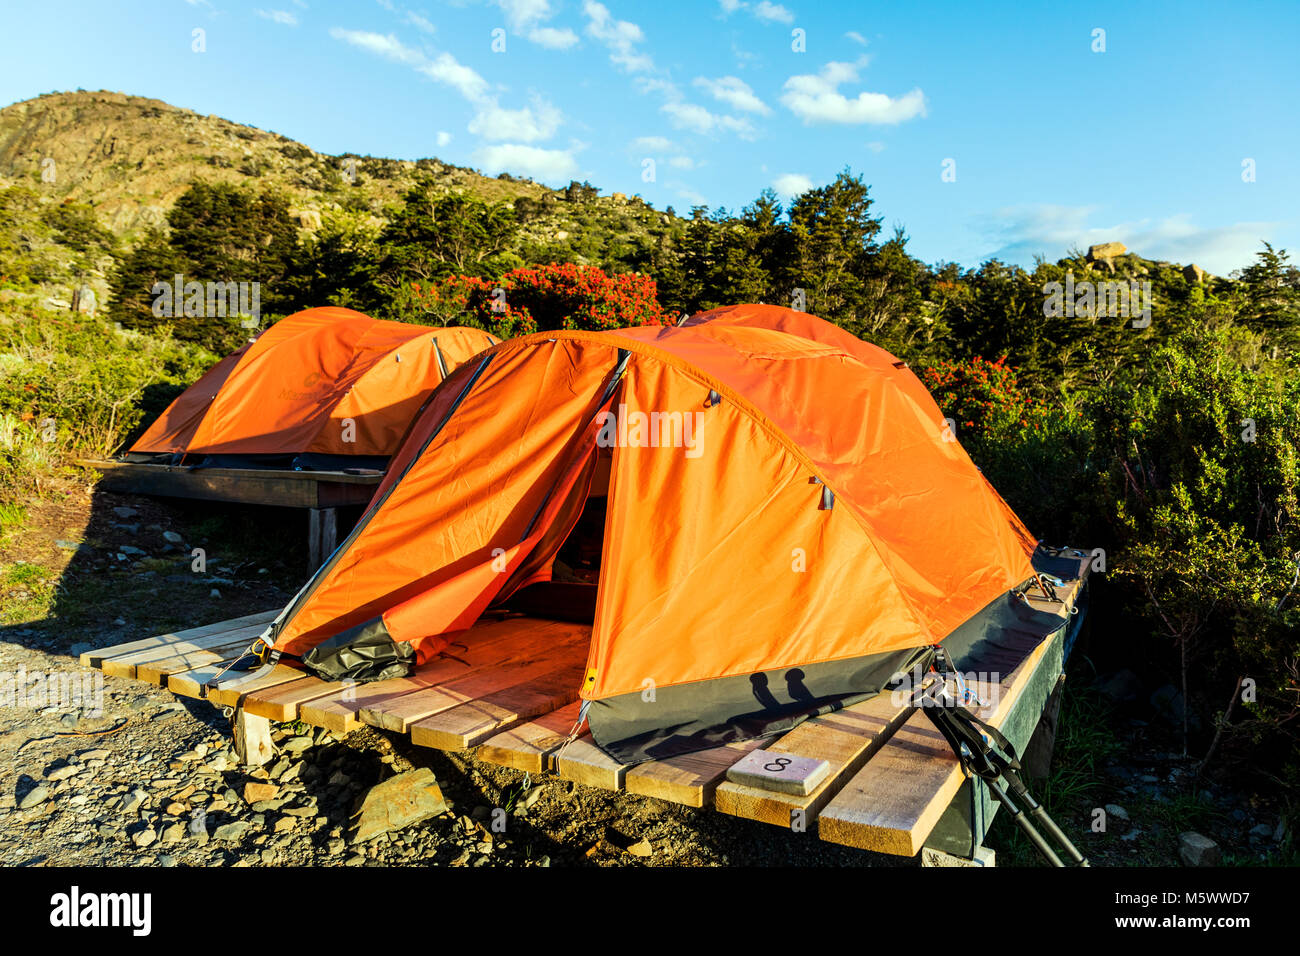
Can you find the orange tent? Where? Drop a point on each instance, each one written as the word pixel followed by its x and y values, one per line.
pixel 779 522
pixel 320 383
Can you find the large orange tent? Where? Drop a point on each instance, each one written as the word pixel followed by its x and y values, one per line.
pixel 782 526
pixel 318 388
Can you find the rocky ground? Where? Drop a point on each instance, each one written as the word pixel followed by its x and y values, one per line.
pixel 146 779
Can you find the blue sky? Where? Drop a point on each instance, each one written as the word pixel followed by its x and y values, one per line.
pixel 1054 143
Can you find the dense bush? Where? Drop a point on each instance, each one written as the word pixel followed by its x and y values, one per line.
pixel 72 385
pixel 1184 470
pixel 536 299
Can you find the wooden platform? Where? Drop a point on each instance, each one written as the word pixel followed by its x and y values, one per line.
pixel 319 491
pixel 893 786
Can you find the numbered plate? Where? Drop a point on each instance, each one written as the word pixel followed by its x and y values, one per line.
pixel 785 773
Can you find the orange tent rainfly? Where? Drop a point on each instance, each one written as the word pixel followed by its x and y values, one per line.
pixel 320 388
pixel 774 522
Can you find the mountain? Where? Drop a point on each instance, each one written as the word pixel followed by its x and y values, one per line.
pixel 131 157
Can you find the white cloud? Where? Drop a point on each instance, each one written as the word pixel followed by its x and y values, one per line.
pixel 526 17
pixel 735 92
pixel 1051 230
pixel 491 120
pixel 690 195
pixel 445 68
pixel 652 84
pixel 681 162
pixel 420 22
pixel 815 98
pixel 544 165
pixel 443 137
pixel 389 47
pixel 521 14
pixel 657 143
pixel 553 38
pixel 697 119
pixel 283 17
pixel 789 185
pixel 764 10
pixel 876 146
pixel 527 125
pixel 856 37
pixel 620 37
pixel 773 12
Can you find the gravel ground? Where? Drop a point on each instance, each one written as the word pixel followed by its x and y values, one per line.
pixel 152 780
pixel 146 779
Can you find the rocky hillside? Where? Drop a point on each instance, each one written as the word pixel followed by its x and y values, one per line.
pixel 131 157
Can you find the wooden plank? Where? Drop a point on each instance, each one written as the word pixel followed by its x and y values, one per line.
pixel 961 820
pixel 690 779
pixel 489 644
pixel 159 672
pixel 530 744
pixel 920 777
pixel 537 651
pixel 190 683
pixel 93 658
pixel 233 696
pixel 290 489
pixel 846 739
pixel 139 664
pixel 282 701
pixel 894 802
pixel 583 762
pixel 548 642
pixel 469 724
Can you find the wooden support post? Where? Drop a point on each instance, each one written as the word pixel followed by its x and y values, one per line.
pixel 931 857
pixel 253 739
pixel 322 536
pixel 1037 758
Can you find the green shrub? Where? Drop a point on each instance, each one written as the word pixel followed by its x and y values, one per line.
pixel 73 386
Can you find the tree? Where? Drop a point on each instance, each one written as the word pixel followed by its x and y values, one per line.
pixel 833 236
pixel 335 266
pixel 228 233
pixel 434 235
pixel 1271 289
pixel 153 260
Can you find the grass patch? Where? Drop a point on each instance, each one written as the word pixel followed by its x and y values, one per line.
pixel 12 518
pixel 1085 744
pixel 27 591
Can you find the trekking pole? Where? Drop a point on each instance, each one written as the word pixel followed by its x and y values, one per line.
pixel 978 755
pixel 1040 844
pixel 1039 813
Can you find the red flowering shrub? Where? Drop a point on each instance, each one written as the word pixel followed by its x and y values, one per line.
pixel 984 397
pixel 532 299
